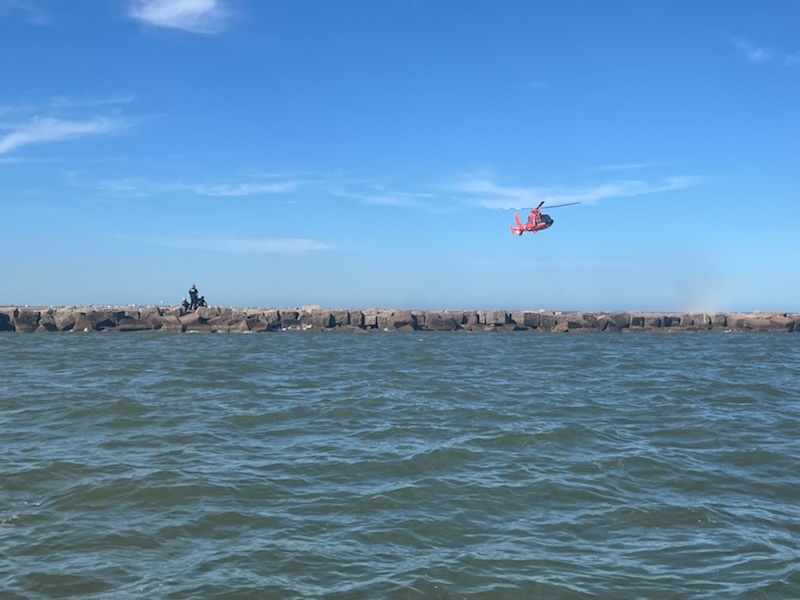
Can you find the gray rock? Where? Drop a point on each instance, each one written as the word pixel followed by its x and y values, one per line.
pixel 5 322
pixel 132 324
pixel 26 321
pixel 402 319
pixel 440 322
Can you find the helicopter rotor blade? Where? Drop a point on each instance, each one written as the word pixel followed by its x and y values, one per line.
pixel 541 204
pixel 560 205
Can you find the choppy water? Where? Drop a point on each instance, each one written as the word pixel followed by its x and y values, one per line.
pixel 318 465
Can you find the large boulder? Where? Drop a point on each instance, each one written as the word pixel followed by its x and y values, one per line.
pixel 530 319
pixel 321 319
pixel 695 321
pixel 47 320
pixel 750 323
pixel 571 322
pixel 133 324
pixel 272 318
pixel 254 324
pixel 289 319
pixel 239 326
pixel 65 318
pixel 459 316
pixel 219 324
pixel 306 319
pixel 193 318
pixel 781 323
pixel 497 317
pixel 604 323
pixel 621 320
pixel 208 312
pixel 440 322
pixel 168 322
pixel 26 321
pixel 340 318
pixel 146 313
pixel 97 320
pixel 371 318
pixel 652 322
pixel 356 319
pixel 471 320
pixel 229 320
pixel 402 319
pixel 719 321
pixel 517 317
pixel 547 321
pixel 637 320
pixel 5 322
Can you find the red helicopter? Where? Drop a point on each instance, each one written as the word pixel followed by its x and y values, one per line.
pixel 537 220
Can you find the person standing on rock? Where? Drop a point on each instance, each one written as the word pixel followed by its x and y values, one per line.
pixel 193 296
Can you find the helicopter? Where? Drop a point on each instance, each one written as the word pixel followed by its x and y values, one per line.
pixel 537 220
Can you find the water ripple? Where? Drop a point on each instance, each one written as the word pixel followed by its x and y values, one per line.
pixel 396 466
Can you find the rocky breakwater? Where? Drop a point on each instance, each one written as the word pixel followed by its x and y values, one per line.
pixel 218 320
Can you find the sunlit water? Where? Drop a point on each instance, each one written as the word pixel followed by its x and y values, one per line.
pixel 321 465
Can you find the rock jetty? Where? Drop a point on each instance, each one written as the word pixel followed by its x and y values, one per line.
pixel 219 319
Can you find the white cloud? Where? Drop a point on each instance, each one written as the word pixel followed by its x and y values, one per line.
pixel 250 246
pixel 272 246
pixel 792 60
pixel 752 52
pixel 65 102
pixel 195 16
pixel 128 187
pixel 244 189
pixel 41 130
pixel 628 166
pixel 491 195
pixel 32 13
pixel 378 195
pixel 759 55
pixel 137 187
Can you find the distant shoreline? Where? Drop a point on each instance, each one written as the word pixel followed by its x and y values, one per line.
pixel 214 319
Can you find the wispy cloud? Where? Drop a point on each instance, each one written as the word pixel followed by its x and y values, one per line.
pixel 32 13
pixel 137 187
pixel 65 102
pixel 244 189
pixel 792 60
pixel 752 52
pixel 126 187
pixel 241 245
pixel 195 16
pixel 259 184
pixel 40 130
pixel 627 166
pixel 378 195
pixel 757 54
pixel 485 192
pixel 12 109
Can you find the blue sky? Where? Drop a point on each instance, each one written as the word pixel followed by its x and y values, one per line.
pixel 365 153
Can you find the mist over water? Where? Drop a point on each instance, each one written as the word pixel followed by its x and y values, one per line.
pixel 397 465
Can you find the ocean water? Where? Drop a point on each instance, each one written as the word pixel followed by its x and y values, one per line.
pixel 399 465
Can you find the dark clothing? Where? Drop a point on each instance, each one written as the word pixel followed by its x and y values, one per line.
pixel 193 297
